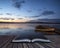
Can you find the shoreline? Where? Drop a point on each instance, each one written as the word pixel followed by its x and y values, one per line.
pixel 29 23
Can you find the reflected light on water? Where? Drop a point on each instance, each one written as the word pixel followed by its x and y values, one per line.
pixel 16 29
pixel 12 26
pixel 15 26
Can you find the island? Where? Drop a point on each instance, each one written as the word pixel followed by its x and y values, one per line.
pixel 47 29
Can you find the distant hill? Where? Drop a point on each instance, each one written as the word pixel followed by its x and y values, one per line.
pixel 46 20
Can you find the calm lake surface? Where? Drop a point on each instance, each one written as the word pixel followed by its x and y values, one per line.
pixel 21 29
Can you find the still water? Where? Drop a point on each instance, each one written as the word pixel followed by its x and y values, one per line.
pixel 21 29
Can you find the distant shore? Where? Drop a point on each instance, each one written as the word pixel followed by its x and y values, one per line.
pixel 31 22
pixel 47 29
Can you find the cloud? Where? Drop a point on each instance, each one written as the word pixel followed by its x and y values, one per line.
pixel 45 13
pixel 5 18
pixel 29 10
pixel 20 18
pixel 17 3
pixel 12 18
pixel 1 14
pixel 17 15
pixel 0 8
pixel 33 16
pixel 8 13
pixel 48 13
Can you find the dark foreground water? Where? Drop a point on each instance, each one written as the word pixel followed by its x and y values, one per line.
pixel 21 29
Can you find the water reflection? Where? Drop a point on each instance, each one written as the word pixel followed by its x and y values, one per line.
pixel 15 28
pixel 12 26
pixel 21 29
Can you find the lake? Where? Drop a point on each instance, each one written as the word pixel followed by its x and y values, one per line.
pixel 21 29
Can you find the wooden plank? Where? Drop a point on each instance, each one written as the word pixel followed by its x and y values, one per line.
pixel 43 44
pixel 29 45
pixel 34 45
pixel 9 45
pixel 49 45
pixel 25 45
pixel 20 45
pixel 6 40
pixel 55 40
pixel 39 45
pixel 3 38
pixel 15 45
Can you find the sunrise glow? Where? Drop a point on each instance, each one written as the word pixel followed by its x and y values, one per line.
pixel 13 20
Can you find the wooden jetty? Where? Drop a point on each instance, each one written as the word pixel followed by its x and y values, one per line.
pixel 5 42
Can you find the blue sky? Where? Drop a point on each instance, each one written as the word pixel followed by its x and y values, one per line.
pixel 35 9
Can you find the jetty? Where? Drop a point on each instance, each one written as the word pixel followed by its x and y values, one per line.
pixel 6 42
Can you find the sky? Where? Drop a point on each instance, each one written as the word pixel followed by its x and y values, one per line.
pixel 30 9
